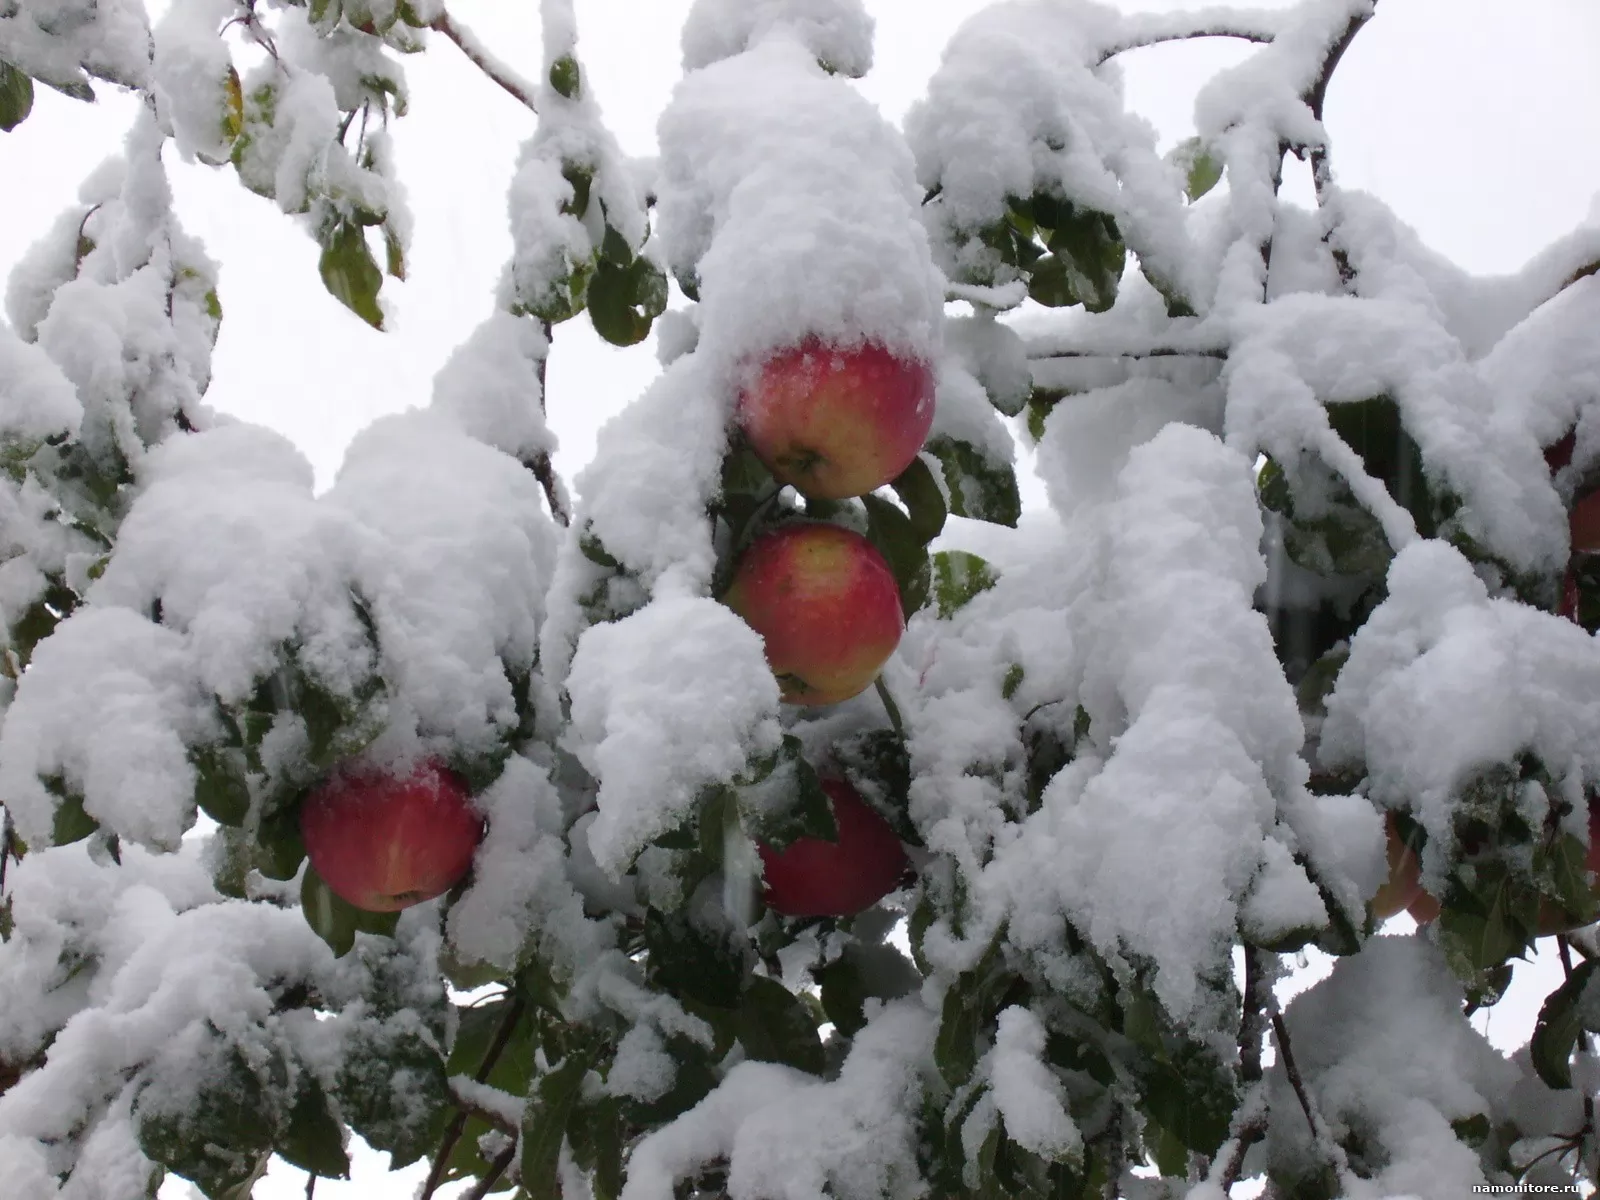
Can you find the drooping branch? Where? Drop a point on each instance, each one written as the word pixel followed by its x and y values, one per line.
pixel 1317 95
pixel 482 58
pixel 1154 29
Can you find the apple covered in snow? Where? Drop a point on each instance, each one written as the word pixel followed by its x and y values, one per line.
pixel 837 421
pixel 384 841
pixel 814 878
pixel 825 603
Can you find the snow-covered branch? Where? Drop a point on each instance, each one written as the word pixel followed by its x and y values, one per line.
pixel 485 60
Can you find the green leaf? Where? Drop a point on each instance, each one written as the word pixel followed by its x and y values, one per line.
pixel 221 785
pixel 788 803
pixel 232 105
pixel 335 920
pixel 625 300
pixel 393 1091
pixel 314 1139
pixel 1202 171
pixel 894 536
pixel 1482 935
pixel 1374 430
pixel 71 822
pixel 545 1126
pixel 919 492
pixel 1560 1024
pixel 693 1081
pixel 282 849
pixel 322 10
pixel 1013 680
pixel 349 271
pixel 1085 263
pixel 969 1006
pixel 1191 1097
pixel 958 577
pixel 394 252
pixel 565 76
pixel 582 180
pixel 859 973
pixel 16 97
pixel 614 248
pixel 776 1026
pixel 689 960
pixel 479 1026
pixel 980 488
pixel 221 1136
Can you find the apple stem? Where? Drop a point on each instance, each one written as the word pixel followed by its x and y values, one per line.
pixel 889 706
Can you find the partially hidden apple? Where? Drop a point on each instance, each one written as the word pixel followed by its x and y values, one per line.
pixel 1583 520
pixel 1584 524
pixel 825 603
pixel 814 878
pixel 1404 885
pixel 384 841
pixel 836 421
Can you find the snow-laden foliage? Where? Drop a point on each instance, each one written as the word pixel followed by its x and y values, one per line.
pixel 1305 636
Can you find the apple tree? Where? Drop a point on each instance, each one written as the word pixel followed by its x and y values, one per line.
pixel 781 812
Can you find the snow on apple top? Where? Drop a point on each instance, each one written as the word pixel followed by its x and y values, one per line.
pixel 789 196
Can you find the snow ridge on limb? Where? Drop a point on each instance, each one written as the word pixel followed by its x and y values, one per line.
pixel 1192 722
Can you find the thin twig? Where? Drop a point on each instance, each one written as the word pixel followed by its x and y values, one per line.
pixel 1320 1133
pixel 1154 352
pixel 491 1177
pixel 480 57
pixel 311 1185
pixel 544 470
pixel 458 1123
pixel 1247 1135
pixel 1250 1122
pixel 1251 1025
pixel 1116 1153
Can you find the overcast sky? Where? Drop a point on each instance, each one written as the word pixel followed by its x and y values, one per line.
pixel 1477 120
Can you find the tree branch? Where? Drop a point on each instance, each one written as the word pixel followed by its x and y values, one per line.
pixel 1316 98
pixel 458 1123
pixel 1154 29
pixel 544 470
pixel 1252 1026
pixel 491 1177
pixel 1320 1134
pixel 1152 352
pixel 486 62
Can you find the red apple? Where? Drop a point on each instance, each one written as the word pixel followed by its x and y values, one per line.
pixel 1403 888
pixel 383 841
pixel 827 606
pixel 1558 454
pixel 1424 909
pixel 837 421
pixel 814 878
pixel 1584 522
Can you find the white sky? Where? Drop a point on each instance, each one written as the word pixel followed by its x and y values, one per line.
pixel 1477 120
